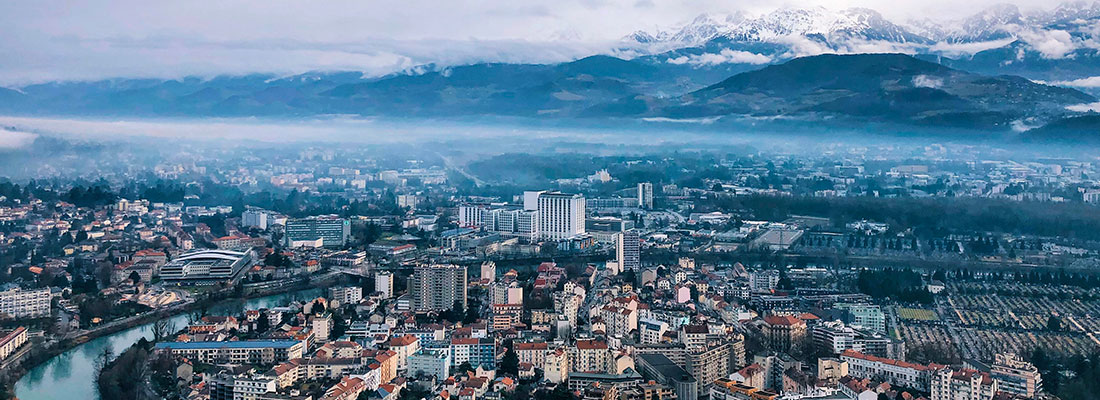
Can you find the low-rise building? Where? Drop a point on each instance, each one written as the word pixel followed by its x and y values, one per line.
pixel 12 341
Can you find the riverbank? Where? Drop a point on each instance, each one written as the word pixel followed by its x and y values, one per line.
pixel 225 297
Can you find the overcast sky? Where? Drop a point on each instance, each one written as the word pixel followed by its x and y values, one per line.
pixel 43 40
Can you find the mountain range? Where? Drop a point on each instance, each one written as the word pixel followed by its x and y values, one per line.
pixel 834 27
pixel 842 89
pixel 893 88
pixel 1060 44
pixel 1018 71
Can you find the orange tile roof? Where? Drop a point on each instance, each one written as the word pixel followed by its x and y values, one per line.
pixel 783 320
pixel 403 341
pixel 591 345
pixel 531 346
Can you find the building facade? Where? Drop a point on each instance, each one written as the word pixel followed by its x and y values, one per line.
pixel 1016 376
pixel 628 250
pixel 332 231
pixel 19 303
pixel 437 287
pixel 383 283
pixel 560 215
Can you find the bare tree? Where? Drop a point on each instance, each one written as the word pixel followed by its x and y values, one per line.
pixel 162 328
pixel 102 360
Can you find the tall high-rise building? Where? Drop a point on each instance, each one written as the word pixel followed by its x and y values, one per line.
pixel 645 195
pixel 437 287
pixel 560 215
pixel 383 283
pixel 333 231
pixel 628 250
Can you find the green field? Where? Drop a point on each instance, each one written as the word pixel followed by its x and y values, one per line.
pixel 917 314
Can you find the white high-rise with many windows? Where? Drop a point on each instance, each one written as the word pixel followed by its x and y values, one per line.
pixel 383 283
pixel 645 195
pixel 560 215
pixel 628 250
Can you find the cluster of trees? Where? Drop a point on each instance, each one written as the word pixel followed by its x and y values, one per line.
pixel 905 286
pixel 124 376
pixel 1044 277
pixel 984 245
pixel 1084 381
pixel 294 203
pixel 94 196
pixel 459 314
pixel 278 259
pixel 106 309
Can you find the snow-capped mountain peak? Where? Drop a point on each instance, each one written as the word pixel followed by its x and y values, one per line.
pixel 853 23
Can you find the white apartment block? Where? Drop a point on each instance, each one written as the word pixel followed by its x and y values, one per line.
pixel 560 215
pixel 651 331
pixel 506 293
pixel 19 303
pixel 346 294
pixel 489 271
pixel 763 280
pixel 1016 376
pixel 383 283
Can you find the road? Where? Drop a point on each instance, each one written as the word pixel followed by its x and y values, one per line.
pixel 449 163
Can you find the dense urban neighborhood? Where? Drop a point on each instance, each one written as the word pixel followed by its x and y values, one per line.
pixel 863 273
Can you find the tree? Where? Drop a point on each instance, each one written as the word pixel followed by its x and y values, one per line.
pixel 1054 323
pixel 134 277
pixel 162 328
pixel 103 273
pixel 318 308
pixel 339 326
pixel 262 323
pixel 472 315
pixel 510 363
pixel 629 276
pixel 465 367
pixel 560 392
pixel 455 314
pixel 60 281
